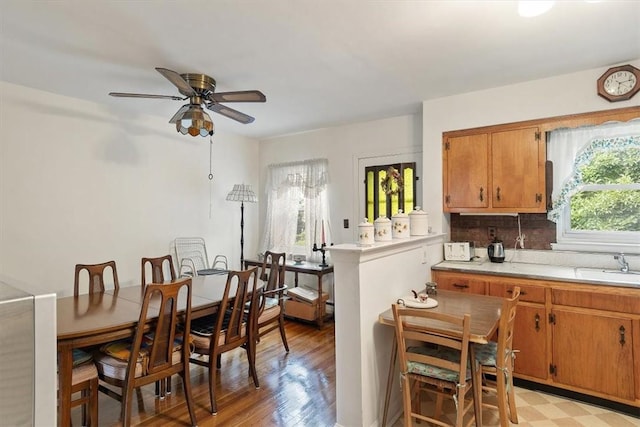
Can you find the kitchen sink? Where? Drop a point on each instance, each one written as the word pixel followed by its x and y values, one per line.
pixel 612 276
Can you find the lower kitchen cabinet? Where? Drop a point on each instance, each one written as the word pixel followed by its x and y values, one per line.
pixel 579 337
pixel 530 340
pixel 530 337
pixel 593 351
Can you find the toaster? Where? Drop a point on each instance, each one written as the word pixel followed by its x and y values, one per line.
pixel 458 251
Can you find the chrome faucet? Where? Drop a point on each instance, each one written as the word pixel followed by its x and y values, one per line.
pixel 624 265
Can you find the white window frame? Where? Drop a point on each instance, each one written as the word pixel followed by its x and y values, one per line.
pixel 564 155
pixel 596 241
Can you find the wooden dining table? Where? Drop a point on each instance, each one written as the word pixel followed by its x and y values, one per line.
pixel 94 319
pixel 484 311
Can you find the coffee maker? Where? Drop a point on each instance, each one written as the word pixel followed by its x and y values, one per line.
pixel 495 250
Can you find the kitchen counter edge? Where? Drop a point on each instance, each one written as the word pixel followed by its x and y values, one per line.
pixel 526 271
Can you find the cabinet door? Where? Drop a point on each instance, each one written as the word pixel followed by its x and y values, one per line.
pixel 530 329
pixel 460 283
pixel 465 174
pixel 530 340
pixel 517 167
pixel 593 351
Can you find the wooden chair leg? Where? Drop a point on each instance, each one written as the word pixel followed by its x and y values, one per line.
pixel 511 396
pixel 501 393
pixel 438 408
pixel 93 402
pixel 251 357
pixel 283 334
pixel 212 386
pixel 83 395
pixel 186 382
pixel 406 395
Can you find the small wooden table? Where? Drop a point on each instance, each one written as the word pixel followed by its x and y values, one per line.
pixel 306 267
pixel 485 317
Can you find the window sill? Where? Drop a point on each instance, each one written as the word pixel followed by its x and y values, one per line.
pixel 591 247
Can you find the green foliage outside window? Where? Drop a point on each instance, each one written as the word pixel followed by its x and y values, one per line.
pixel 609 209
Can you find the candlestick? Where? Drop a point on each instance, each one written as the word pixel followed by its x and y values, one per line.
pixel 315 232
pixel 323 239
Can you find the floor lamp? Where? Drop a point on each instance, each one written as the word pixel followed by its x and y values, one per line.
pixel 242 193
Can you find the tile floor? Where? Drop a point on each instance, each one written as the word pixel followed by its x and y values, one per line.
pixel 538 409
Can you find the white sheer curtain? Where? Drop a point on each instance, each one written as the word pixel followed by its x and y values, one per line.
pixel 568 149
pixel 288 185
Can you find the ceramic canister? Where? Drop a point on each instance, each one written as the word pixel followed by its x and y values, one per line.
pixel 382 228
pixel 400 227
pixel 365 233
pixel 419 222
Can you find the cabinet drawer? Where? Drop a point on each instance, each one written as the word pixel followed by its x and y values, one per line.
pixel 460 283
pixel 618 301
pixel 529 293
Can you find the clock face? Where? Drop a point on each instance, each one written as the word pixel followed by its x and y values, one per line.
pixel 620 83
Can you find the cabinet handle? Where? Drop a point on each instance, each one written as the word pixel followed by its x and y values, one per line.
pixel 498 193
pixel 481 194
pixel 622 332
pixel 510 291
pixel 538 198
pixel 459 286
pixel 537 320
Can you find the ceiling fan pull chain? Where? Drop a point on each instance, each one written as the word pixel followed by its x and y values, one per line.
pixel 210 174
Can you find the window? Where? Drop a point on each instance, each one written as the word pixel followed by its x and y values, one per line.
pixel 297 206
pixel 389 188
pixel 596 203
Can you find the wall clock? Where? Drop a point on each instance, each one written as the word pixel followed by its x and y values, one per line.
pixel 619 83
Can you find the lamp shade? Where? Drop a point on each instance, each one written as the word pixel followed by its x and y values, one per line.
pixel 191 119
pixel 242 193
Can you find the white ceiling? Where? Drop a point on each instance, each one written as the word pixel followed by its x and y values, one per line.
pixel 319 62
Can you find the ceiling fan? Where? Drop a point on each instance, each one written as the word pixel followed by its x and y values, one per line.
pixel 199 89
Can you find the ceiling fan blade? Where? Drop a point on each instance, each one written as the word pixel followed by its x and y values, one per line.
pixel 230 112
pixel 177 81
pixel 238 96
pixel 144 95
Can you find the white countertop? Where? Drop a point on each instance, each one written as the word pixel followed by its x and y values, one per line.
pixel 543 271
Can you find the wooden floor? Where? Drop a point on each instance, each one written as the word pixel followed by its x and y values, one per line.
pixel 296 389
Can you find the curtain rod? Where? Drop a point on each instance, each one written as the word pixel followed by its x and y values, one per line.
pixel 297 163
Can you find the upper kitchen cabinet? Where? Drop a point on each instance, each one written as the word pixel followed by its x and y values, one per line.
pixel 501 170
pixel 466 174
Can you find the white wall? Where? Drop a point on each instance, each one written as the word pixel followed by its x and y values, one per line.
pixel 342 146
pixel 555 96
pixel 80 184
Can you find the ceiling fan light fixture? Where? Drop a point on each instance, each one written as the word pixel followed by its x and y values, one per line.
pixel 200 89
pixel 194 121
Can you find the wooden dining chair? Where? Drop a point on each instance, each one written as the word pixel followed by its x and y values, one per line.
pixel 158 349
pixel 161 269
pixel 84 380
pixel 434 360
pixel 496 360
pixel 232 327
pixel 96 274
pixel 271 300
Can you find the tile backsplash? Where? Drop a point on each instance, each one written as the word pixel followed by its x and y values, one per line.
pixel 539 232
